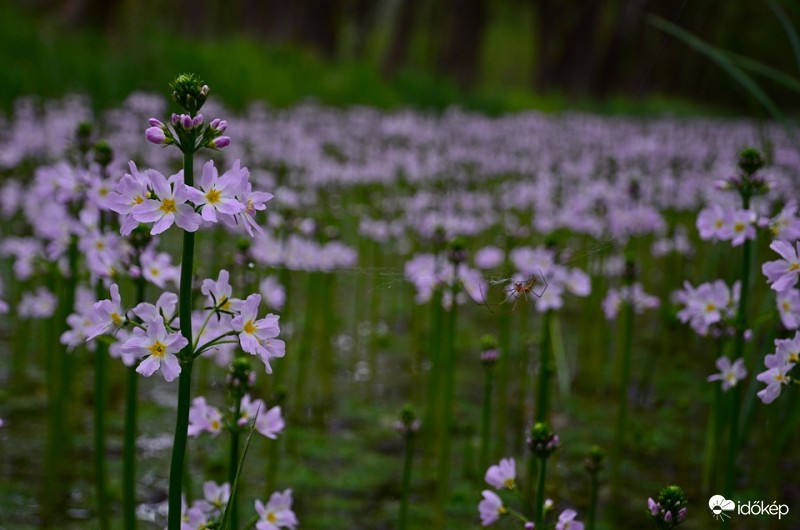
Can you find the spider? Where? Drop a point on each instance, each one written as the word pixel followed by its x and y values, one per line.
pixel 518 290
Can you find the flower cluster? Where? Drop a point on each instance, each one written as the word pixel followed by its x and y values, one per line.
pixel 669 509
pixel 206 418
pixel 150 197
pixel 633 294
pixel 151 332
pixel 779 364
pixel 716 223
pixel 709 308
pixel 502 476
pixel 208 512
pixel 542 441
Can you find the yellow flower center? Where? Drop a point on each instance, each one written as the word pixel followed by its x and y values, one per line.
pixel 509 483
pixel 158 348
pixel 271 517
pixel 739 227
pixel 794 357
pixel 249 327
pixel 213 196
pixel 116 319
pixel 154 271
pixel 168 206
pixel 137 200
pixel 103 191
pixel 718 223
pixel 781 378
pixel 99 245
pixel 710 307
pixel 794 267
pixel 215 425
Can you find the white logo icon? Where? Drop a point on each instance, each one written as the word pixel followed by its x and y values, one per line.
pixel 719 505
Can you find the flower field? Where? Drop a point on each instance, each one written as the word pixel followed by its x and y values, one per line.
pixel 351 318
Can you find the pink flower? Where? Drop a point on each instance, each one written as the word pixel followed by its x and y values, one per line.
pixel 107 315
pixel 502 475
pixel 789 308
pixel 490 508
pixel 277 513
pixel 729 374
pixel 155 135
pixel 215 193
pixel 170 206
pixel 204 418
pixel 783 273
pixel 257 337
pixel 270 423
pixel 566 521
pixel 711 222
pixel 739 226
pixel 160 348
pixel 130 191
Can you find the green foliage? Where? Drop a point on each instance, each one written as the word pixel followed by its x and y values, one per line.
pixel 53 62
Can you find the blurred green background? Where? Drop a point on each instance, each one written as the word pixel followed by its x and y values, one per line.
pixel 489 55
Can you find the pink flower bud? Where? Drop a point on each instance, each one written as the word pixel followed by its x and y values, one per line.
pixel 155 135
pixel 175 119
pixel 197 121
pixel 155 123
pixel 220 143
pixel 186 122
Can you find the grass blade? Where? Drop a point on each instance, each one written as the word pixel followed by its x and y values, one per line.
pixel 788 28
pixel 722 60
pixel 765 70
pixel 227 515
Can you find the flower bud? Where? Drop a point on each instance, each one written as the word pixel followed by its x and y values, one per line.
pixel 186 122
pixel 594 460
pixel 669 509
pixel 155 135
pixel 153 122
pixel 189 92
pixel 220 142
pixel 542 441
pixel 750 160
pixel 103 154
pixel 456 252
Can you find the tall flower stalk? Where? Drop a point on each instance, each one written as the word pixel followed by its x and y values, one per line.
pixel 489 358
pixel 408 425
pixel 748 185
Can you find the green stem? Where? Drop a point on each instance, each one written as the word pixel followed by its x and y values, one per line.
pixel 539 513
pixel 129 442
pixel 100 394
pixel 738 352
pixel 432 421
pixel 448 366
pixel 233 463
pixel 545 370
pixel 595 490
pixel 185 378
pixel 406 484
pixel 622 397
pixel 486 421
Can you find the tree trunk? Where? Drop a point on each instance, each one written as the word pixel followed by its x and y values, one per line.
pixel 459 57
pixel 397 55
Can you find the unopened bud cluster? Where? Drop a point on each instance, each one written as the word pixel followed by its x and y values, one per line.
pixel 240 376
pixel 189 131
pixel 489 352
pixel 747 183
pixel 408 423
pixel 669 510
pixel 542 441
pixel 595 460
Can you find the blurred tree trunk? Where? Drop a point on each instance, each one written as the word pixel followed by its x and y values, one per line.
pixel 627 30
pixel 316 24
pixel 547 16
pixel 465 30
pixel 579 60
pixel 98 14
pixel 397 55
pixel 363 14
